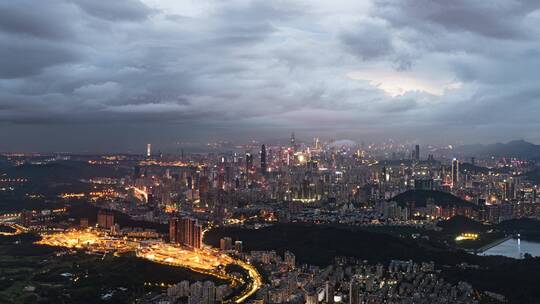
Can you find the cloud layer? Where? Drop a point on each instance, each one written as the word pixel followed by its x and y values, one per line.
pixel 166 71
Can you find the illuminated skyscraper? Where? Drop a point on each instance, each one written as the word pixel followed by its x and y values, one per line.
pixel 148 150
pixel 455 172
pixel 249 162
pixel 263 159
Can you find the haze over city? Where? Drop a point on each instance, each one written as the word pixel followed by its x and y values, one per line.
pixel 92 76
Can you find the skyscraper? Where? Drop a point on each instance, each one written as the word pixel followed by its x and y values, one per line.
pixel 263 159
pixel 105 219
pixel 173 228
pixel 185 231
pixel 354 291
pixel 148 150
pixel 455 172
pixel 417 152
pixel 249 162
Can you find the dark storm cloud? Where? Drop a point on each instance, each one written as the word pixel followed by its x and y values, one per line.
pixel 210 69
pixel 118 10
pixel 24 18
pixel 20 58
pixel 496 19
pixel 368 40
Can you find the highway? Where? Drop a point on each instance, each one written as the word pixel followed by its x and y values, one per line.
pixel 206 260
pixel 18 230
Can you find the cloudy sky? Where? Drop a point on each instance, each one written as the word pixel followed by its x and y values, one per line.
pixel 87 75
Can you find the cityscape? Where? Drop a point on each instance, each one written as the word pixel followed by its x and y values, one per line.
pixel 306 221
pixel 246 151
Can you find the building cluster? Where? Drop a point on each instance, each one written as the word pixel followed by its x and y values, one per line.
pixel 185 231
pixel 197 293
pixel 352 281
pixel 105 219
pixel 314 182
pixel 226 244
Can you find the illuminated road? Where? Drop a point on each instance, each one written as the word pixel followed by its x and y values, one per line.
pixel 207 261
pixel 18 230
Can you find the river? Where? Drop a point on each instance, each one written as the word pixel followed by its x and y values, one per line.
pixel 514 248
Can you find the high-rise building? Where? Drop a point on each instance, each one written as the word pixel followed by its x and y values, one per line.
pixel 148 150
pixel 203 185
pixel 105 219
pixel 329 292
pixel 238 246
pixel 208 293
pixel 249 162
pixel 263 159
pixel 173 229
pixel 455 172
pixel 197 236
pixel 417 152
pixel 293 141
pixel 185 231
pixel 354 292
pixel 225 244
pixel 195 293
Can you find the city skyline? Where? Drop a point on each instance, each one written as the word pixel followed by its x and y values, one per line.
pixel 83 76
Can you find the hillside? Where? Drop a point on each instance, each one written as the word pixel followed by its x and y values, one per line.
pixel 516 148
pixel 420 197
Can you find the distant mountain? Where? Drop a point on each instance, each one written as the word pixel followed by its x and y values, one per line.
pixel 516 148
pixel 420 197
pixel 470 168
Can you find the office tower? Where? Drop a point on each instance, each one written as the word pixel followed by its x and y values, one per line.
pixel 455 172
pixel 417 152
pixel 148 150
pixel 105 219
pixel 473 161
pixel 263 159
